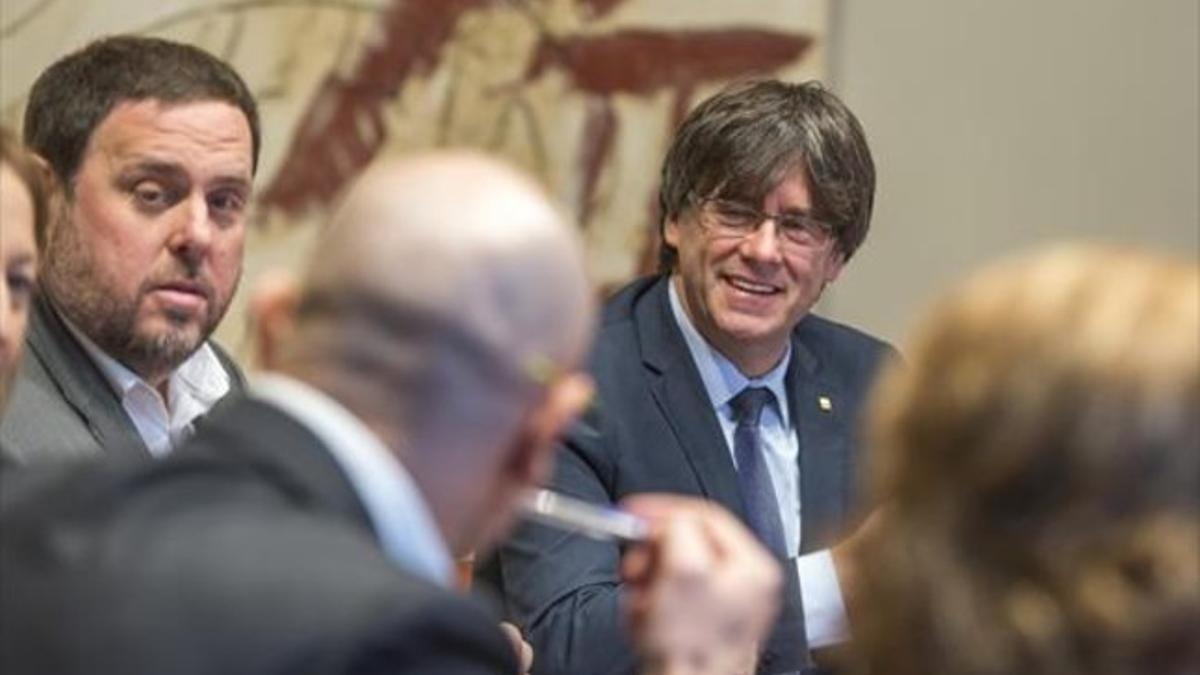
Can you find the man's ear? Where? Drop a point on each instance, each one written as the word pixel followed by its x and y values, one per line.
pixel 671 233
pixel 836 262
pixel 529 462
pixel 272 316
pixel 58 206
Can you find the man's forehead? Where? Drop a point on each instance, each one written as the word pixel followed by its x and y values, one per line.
pixel 157 132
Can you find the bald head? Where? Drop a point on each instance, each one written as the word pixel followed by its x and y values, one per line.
pixel 445 292
pixel 466 240
pixel 446 306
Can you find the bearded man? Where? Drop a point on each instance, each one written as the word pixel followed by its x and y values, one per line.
pixel 154 145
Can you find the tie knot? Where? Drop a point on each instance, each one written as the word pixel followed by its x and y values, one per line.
pixel 748 404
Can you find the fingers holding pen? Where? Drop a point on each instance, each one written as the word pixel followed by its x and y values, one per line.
pixel 701 592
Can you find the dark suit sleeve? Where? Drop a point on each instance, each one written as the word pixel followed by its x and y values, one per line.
pixel 564 589
pixel 447 637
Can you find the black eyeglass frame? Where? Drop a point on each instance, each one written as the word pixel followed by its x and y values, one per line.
pixel 734 219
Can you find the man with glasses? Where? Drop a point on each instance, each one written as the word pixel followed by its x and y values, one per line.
pixel 417 381
pixel 714 379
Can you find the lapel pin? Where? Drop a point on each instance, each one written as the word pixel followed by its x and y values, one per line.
pixel 825 404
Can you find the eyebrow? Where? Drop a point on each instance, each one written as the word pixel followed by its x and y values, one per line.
pixel 21 258
pixel 791 210
pixel 176 171
pixel 150 166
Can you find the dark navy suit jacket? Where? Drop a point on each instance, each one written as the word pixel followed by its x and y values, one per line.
pixel 247 551
pixel 652 428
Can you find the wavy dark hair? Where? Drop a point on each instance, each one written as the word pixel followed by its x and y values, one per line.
pixel 743 141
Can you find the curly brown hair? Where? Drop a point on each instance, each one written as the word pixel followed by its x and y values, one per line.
pixel 35 176
pixel 1039 462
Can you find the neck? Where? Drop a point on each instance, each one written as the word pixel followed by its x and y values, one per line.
pixel 444 494
pixel 752 360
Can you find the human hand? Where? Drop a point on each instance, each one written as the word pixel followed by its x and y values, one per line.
pixel 701 593
pixel 524 649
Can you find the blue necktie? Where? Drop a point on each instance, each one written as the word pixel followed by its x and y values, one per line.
pixel 758 494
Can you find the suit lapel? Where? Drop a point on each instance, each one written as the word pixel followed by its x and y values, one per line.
pixel 816 411
pixel 81 383
pixel 677 388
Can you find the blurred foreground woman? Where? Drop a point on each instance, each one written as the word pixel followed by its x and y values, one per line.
pixel 22 218
pixel 1040 466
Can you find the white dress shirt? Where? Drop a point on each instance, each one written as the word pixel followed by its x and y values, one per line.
pixel 398 512
pixel 192 390
pixel 825 621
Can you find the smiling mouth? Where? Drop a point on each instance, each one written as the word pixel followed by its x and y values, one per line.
pixel 752 287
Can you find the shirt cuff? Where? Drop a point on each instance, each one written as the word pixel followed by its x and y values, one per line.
pixel 825 621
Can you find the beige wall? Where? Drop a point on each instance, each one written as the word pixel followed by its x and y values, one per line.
pixel 996 124
pixel 1000 124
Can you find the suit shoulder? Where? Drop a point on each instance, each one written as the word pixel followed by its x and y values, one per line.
pixel 621 306
pixel 39 422
pixel 817 330
pixel 855 353
pixel 616 335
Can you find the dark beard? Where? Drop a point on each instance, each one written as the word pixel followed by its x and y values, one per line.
pixel 71 281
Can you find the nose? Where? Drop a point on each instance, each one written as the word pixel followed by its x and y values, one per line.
pixel 193 232
pixel 764 244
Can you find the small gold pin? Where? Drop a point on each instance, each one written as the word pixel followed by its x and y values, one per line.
pixel 824 403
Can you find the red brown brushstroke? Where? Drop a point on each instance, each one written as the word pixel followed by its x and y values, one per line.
pixel 644 62
pixel 599 8
pixel 599 134
pixel 343 128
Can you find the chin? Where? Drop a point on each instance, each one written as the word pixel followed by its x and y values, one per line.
pixel 166 347
pixel 746 329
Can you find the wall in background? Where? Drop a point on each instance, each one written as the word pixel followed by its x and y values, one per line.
pixel 999 125
pixel 582 93
pixel 995 125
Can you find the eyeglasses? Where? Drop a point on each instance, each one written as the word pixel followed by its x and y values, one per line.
pixel 732 219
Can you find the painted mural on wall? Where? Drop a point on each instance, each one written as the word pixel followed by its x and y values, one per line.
pixel 583 93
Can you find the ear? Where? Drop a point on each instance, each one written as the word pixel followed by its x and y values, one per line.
pixel 672 232
pixel 837 260
pixel 529 462
pixel 58 203
pixel 272 316
pixel 526 461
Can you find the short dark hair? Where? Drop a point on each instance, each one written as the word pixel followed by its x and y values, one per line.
pixel 74 95
pixel 740 143
pixel 33 175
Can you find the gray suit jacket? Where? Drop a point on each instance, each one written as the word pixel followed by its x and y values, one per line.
pixel 653 429
pixel 62 406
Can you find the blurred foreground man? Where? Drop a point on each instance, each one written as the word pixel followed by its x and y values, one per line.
pixel 713 379
pixel 423 373
pixel 154 146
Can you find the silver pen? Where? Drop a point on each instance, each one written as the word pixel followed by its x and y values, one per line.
pixel 575 515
